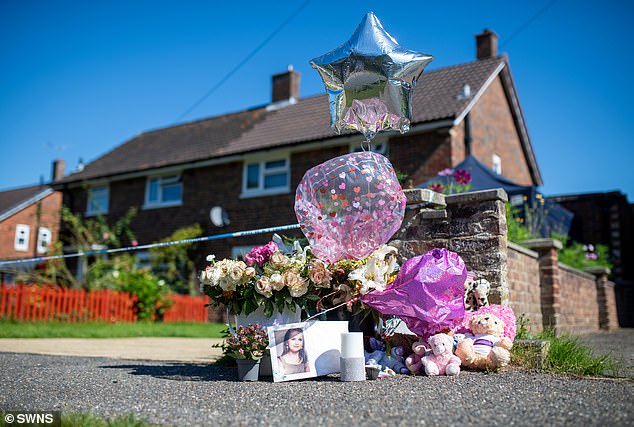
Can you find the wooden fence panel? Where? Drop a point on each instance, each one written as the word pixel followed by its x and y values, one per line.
pixel 41 304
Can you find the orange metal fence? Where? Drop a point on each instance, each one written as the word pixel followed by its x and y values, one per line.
pixel 32 303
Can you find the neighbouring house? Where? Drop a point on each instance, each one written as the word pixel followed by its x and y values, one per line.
pixel 608 219
pixel 239 171
pixel 29 221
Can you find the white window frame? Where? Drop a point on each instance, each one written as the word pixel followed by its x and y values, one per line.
pixel 380 145
pixel 91 209
pixel 22 231
pixel 263 172
pixel 165 179
pixel 44 239
pixel 496 164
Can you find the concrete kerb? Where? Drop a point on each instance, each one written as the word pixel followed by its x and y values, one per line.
pixel 198 350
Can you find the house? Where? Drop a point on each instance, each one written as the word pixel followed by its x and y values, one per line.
pixel 608 219
pixel 29 221
pixel 239 171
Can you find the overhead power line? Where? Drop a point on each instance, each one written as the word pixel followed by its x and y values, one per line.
pixel 244 61
pixel 527 23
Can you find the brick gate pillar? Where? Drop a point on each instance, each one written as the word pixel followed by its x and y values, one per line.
pixel 549 280
pixel 606 299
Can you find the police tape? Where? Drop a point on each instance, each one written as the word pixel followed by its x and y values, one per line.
pixel 154 245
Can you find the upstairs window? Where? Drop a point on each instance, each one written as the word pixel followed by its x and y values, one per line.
pixel 22 232
pixel 164 191
pixel 266 177
pixel 98 200
pixel 44 238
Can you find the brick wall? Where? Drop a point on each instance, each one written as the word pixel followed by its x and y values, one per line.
pixel 421 156
pixel 523 283
pixel 529 281
pixel 493 131
pixel 472 224
pixel 49 218
pixel 579 312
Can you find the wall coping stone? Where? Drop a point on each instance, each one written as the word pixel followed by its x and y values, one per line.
pixel 478 196
pixel 433 213
pixel 576 271
pixel 423 195
pixel 545 243
pixel 522 249
pixel 597 271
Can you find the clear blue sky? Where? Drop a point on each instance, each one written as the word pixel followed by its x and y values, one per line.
pixel 79 78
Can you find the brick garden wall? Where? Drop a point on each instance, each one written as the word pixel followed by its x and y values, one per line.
pixel 529 281
pixel 523 283
pixel 579 309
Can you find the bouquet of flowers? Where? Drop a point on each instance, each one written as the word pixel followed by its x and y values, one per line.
pixel 275 276
pixel 249 343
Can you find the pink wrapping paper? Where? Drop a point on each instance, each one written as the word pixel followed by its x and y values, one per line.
pixel 427 294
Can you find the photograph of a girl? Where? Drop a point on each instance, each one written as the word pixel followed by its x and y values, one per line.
pixel 293 359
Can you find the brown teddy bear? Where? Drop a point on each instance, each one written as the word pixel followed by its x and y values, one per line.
pixel 486 347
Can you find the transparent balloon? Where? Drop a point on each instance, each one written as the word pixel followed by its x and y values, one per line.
pixel 349 206
pixel 369 80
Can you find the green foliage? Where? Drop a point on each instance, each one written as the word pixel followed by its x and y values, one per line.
pixel 88 420
pixel 517 231
pixel 15 329
pixel 523 327
pixel 151 293
pixel 582 256
pixel 175 263
pixel 568 355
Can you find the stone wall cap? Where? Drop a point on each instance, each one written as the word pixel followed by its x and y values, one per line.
pixel 423 195
pixel 546 243
pixel 478 196
pixel 597 271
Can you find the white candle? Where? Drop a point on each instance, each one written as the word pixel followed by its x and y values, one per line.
pixel 351 344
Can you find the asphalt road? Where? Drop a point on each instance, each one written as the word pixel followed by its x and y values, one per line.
pixel 190 393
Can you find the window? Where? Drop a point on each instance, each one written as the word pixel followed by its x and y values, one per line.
pixel 22 232
pixel 164 191
pixel 44 238
pixel 98 200
pixel 379 147
pixel 266 177
pixel 497 164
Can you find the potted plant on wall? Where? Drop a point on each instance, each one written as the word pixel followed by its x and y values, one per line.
pixel 247 346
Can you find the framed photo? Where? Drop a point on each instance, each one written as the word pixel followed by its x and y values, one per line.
pixel 306 349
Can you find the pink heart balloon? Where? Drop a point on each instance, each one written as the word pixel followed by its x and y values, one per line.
pixel 349 206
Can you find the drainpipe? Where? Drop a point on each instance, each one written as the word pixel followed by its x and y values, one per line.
pixel 467 135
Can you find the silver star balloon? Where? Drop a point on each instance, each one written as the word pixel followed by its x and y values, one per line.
pixel 369 80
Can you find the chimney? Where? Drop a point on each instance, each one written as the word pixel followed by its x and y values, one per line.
pixel 486 44
pixel 286 85
pixel 59 167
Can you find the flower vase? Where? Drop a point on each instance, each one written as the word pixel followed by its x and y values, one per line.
pixel 277 319
pixel 248 370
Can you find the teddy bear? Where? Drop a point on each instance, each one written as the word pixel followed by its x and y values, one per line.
pixel 441 360
pixel 485 347
pixel 379 357
pixel 476 294
pixel 414 361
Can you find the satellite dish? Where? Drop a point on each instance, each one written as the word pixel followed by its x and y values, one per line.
pixel 219 216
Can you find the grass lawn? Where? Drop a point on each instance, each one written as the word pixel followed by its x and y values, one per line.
pixel 14 329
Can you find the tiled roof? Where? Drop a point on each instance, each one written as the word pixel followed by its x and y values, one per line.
pixel 435 98
pixel 12 199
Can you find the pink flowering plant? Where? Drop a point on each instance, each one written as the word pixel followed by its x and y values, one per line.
pixel 279 277
pixel 451 181
pixel 249 343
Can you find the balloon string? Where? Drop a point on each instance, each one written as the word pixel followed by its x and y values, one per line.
pixel 348 303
